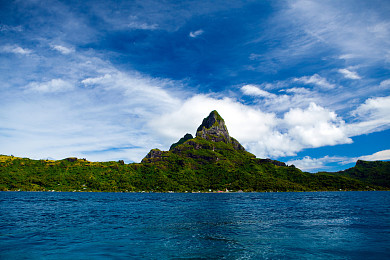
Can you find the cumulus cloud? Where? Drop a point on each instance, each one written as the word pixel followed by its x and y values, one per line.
pixel 316 126
pixel 262 133
pixel 349 74
pixel 196 34
pixel 62 49
pixel 15 50
pixel 244 123
pixel 316 80
pixel 54 85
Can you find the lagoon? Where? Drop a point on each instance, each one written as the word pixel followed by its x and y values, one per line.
pixel 304 225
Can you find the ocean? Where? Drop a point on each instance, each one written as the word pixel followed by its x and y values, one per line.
pixel 302 225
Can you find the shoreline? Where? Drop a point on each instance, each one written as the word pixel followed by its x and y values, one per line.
pixel 201 192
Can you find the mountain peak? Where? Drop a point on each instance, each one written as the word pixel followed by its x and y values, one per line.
pixel 213 128
pixel 213 121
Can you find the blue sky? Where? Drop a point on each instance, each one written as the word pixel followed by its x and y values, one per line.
pixel 304 82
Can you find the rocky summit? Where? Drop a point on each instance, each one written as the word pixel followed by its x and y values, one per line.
pixel 213 128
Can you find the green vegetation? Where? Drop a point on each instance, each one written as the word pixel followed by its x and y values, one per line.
pixel 212 161
pixel 181 141
pixel 214 166
pixel 377 172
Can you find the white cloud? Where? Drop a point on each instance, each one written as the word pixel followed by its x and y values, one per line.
pixel 373 115
pixel 15 50
pixel 252 90
pixel 347 56
pixel 97 80
pixel 135 22
pixel 196 34
pixel 315 164
pixel 254 56
pixel 315 126
pixel 349 74
pixel 289 97
pixel 302 91
pixel 62 49
pixel 385 83
pixel 381 30
pixel 278 103
pixel 87 122
pixel 362 33
pixel 316 80
pixel 374 108
pixel 83 106
pixel 4 28
pixel 142 26
pixel 310 116
pixel 142 90
pixel 378 156
pixel 54 85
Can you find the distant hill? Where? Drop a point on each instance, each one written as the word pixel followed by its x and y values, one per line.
pixel 210 161
pixel 374 172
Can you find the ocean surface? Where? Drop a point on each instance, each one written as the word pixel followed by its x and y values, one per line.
pixel 304 225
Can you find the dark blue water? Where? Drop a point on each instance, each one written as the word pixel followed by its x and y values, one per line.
pixel 334 225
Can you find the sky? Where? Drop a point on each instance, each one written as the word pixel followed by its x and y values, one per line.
pixel 303 82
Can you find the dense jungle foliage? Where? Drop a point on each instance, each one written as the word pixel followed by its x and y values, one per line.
pixel 188 170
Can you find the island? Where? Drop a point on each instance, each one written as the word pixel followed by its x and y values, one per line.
pixel 212 161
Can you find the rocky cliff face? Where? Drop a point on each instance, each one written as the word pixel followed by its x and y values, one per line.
pixel 213 128
pixel 155 155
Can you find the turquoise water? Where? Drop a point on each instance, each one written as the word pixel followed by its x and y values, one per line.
pixel 318 225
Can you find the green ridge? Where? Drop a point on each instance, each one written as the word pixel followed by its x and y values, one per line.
pixel 181 141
